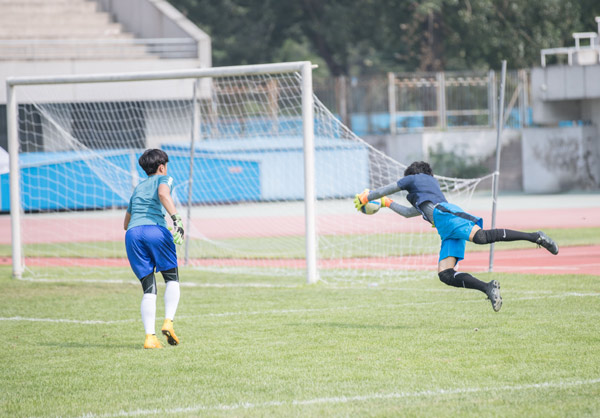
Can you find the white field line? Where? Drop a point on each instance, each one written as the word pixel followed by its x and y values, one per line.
pixel 289 311
pixel 341 285
pixel 353 398
pixel 158 280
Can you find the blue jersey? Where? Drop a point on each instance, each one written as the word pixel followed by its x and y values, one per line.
pixel 421 188
pixel 144 206
pixel 453 225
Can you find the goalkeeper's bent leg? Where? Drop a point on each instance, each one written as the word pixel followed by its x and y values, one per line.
pixel 454 278
pixel 457 279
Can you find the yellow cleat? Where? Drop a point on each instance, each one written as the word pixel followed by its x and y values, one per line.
pixel 167 330
pixel 152 342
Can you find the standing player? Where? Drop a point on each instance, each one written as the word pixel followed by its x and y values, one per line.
pixel 453 225
pixel 150 245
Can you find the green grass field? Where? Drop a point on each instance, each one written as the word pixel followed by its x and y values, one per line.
pixel 263 346
pixel 294 247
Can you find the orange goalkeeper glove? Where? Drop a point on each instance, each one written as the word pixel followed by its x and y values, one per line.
pixel 386 201
pixel 361 199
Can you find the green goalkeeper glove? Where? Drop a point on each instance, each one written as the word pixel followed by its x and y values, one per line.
pixel 177 229
pixel 361 199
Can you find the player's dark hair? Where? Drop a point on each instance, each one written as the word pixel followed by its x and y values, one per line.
pixel 418 167
pixel 151 159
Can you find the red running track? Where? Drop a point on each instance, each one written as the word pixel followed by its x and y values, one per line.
pixel 570 260
pixel 83 228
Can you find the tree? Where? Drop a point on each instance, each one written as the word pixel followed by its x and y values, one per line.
pixel 354 37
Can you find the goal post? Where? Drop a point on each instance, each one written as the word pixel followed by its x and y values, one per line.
pixel 12 114
pixel 308 131
pixel 303 67
pixel 263 174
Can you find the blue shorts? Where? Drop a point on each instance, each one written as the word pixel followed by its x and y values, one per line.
pixel 150 247
pixel 454 227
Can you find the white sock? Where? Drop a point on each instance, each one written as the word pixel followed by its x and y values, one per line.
pixel 149 312
pixel 171 299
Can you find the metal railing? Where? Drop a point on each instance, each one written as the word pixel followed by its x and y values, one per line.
pixel 411 102
pixel 46 49
pixel 583 54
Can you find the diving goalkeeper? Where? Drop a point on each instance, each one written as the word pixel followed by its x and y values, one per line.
pixel 453 225
pixel 150 245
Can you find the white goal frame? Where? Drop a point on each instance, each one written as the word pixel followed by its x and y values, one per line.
pixel 302 67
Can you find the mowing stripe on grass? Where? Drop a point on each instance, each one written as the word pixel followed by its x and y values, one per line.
pixel 355 398
pixel 67 321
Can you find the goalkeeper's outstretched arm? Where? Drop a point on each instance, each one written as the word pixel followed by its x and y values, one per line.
pixel 407 212
pixel 383 191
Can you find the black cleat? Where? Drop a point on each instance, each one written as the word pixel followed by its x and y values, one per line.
pixel 493 294
pixel 547 242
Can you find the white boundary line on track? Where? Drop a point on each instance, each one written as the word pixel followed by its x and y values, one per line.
pixel 285 311
pixel 355 398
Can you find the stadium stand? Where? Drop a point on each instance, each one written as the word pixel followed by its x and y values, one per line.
pixel 59 37
pixel 63 29
pixel 82 29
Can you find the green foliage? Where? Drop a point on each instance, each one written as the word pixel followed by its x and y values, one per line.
pixel 355 37
pixel 452 164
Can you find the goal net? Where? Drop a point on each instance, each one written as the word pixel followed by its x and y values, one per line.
pixel 236 145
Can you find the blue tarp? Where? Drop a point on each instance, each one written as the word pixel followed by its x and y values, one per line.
pixel 104 179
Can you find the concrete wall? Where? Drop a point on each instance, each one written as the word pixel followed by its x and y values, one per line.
pixel 563 82
pixel 476 144
pixel 561 92
pixel 158 19
pixel 590 111
pixel 534 160
pixel 557 159
pixel 560 159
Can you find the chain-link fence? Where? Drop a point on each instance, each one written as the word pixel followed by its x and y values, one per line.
pixel 395 103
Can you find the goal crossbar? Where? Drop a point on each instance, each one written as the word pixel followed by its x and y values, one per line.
pixel 231 71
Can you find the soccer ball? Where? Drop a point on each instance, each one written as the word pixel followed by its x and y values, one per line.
pixel 371 207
